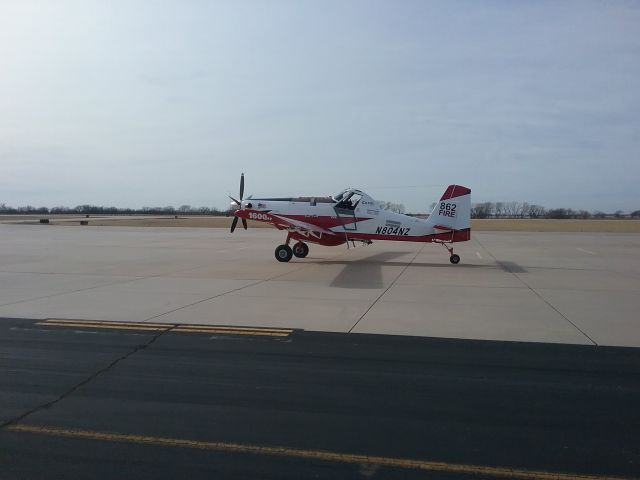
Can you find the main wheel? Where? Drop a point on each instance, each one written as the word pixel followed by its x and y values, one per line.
pixel 455 259
pixel 284 253
pixel 300 249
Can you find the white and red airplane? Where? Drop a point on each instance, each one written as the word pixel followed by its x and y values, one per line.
pixel 352 216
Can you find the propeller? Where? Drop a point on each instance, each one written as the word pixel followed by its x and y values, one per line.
pixel 239 204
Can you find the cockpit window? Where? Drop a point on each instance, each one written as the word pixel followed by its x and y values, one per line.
pixel 348 200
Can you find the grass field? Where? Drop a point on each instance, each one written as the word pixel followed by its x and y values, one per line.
pixel 526 225
pixel 549 225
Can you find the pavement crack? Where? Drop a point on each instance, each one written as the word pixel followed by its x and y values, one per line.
pixel 387 289
pixel 84 382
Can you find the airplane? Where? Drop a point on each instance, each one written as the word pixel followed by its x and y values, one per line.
pixel 353 216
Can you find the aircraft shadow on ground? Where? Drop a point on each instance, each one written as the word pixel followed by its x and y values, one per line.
pixel 366 273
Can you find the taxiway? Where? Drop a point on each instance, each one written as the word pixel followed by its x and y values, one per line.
pixel 577 288
pixel 81 401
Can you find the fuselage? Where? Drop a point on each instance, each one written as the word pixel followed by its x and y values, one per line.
pixel 352 215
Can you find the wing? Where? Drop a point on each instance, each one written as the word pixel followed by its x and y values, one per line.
pixel 298 226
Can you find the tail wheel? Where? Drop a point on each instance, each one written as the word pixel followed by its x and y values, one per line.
pixel 455 259
pixel 301 250
pixel 284 253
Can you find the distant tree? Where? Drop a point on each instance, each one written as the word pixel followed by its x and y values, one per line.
pixel 482 210
pixel 618 214
pixel 536 211
pixel 635 214
pixel 522 210
pixel 59 210
pixel 511 209
pixel 184 208
pixel 557 213
pixel 93 209
pixel 599 214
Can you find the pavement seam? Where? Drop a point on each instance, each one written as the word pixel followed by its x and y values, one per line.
pixel 129 280
pixel 93 376
pixel 541 297
pixel 387 289
pixel 258 282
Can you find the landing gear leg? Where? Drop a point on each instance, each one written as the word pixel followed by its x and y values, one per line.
pixel 453 258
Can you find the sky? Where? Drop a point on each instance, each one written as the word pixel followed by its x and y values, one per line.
pixel 156 103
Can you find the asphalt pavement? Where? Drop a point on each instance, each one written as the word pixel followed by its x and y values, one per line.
pixel 103 401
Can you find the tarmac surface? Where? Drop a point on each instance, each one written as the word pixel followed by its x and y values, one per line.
pixel 102 400
pixel 574 288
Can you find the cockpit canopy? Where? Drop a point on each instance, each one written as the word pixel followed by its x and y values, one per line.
pixel 346 194
pixel 349 198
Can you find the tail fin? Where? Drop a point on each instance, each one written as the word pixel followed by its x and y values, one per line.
pixel 453 211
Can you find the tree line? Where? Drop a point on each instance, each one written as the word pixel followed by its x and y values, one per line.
pixel 100 210
pixel 478 210
pixel 527 210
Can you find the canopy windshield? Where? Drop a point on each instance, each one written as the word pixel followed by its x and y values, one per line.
pixel 340 195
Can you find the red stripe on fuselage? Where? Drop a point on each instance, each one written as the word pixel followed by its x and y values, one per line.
pixel 337 238
pixel 326 221
pixel 453 236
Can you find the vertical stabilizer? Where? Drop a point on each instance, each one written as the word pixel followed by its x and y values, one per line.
pixel 453 211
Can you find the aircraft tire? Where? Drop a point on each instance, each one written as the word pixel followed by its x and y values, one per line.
pixel 301 250
pixel 283 253
pixel 455 259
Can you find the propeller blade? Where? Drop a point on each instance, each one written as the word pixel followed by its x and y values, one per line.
pixel 234 223
pixel 244 223
pixel 241 186
pixel 237 201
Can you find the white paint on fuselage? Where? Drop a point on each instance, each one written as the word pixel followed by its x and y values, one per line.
pixel 380 221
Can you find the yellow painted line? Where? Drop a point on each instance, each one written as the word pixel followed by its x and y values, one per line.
pixel 159 327
pixel 232 327
pixel 235 329
pixel 168 325
pixel 108 322
pixel 233 332
pixel 322 455
pixel 114 327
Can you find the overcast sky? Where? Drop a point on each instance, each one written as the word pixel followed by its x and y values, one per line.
pixel 149 103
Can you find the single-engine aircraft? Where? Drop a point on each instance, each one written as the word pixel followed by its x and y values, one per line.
pixel 353 216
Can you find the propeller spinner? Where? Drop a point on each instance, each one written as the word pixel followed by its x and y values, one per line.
pixel 239 204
